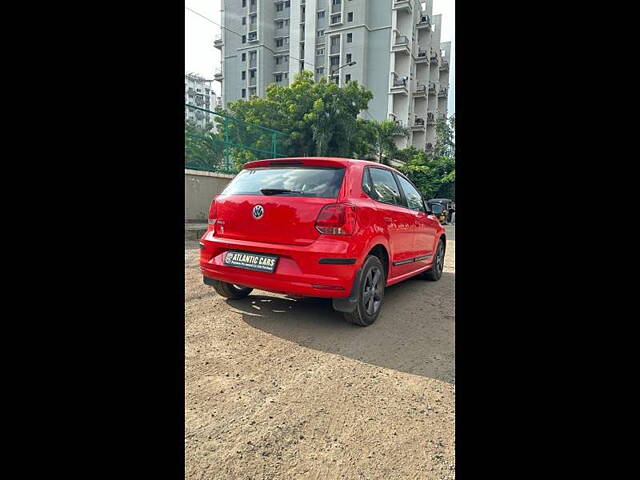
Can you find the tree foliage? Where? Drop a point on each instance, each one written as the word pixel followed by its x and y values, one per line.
pixel 434 174
pixel 319 118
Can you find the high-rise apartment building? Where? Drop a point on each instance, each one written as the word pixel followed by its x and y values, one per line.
pixel 390 46
pixel 198 92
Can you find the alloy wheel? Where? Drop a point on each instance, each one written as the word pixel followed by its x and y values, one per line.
pixel 373 289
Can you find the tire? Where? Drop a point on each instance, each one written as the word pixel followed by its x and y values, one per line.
pixel 370 293
pixel 229 290
pixel 435 272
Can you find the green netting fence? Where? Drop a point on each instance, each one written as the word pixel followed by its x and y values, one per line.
pixel 225 143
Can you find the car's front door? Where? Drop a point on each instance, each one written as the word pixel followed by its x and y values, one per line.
pixel 398 219
pixel 424 225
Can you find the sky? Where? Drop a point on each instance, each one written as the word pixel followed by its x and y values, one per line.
pixel 202 57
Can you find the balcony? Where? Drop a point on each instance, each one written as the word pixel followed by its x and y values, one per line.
pixel 282 14
pixel 399 83
pixel 431 118
pixel 217 76
pixel 280 32
pixel 336 6
pixel 336 19
pixel 253 6
pixel 217 43
pixel 444 65
pixel 443 92
pixel 284 45
pixel 434 58
pixel 252 37
pixel 253 78
pixel 253 61
pixel 394 118
pixel 422 57
pixel 420 91
pixel 424 22
pixel 418 124
pixel 403 5
pixel 432 88
pixel 401 43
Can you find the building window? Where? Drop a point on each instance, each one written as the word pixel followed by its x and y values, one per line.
pixel 279 7
pixel 348 58
pixel 320 33
pixel 287 4
pixel 244 75
pixel 347 78
pixel 244 57
pixel 320 14
pixel 320 51
pixel 320 70
pixel 278 77
pixel 244 20
pixel 350 17
pixel 244 3
pixel 278 42
pixel 349 37
pixel 244 39
pixel 244 93
pixel 252 73
pixel 301 66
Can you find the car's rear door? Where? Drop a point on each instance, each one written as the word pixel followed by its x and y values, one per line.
pixel 397 218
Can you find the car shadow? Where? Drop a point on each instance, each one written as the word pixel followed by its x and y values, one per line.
pixel 414 332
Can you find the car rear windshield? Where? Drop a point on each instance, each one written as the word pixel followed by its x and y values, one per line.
pixel 287 181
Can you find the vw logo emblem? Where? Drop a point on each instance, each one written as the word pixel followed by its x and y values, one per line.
pixel 258 211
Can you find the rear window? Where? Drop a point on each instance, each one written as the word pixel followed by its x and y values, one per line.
pixel 287 181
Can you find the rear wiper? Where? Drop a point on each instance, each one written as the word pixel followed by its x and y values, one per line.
pixel 276 191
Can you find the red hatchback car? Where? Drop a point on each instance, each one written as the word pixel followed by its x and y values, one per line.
pixel 320 227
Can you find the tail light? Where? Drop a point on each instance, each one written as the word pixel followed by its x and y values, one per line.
pixel 213 214
pixel 337 219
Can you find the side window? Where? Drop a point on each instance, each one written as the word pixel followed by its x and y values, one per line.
pixel 384 187
pixel 414 200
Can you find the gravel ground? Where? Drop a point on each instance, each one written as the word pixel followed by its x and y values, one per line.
pixel 278 388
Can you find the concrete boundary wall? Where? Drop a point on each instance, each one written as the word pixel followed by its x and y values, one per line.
pixel 199 189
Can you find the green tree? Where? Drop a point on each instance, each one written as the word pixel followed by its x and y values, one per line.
pixel 203 149
pixel 434 174
pixel 319 118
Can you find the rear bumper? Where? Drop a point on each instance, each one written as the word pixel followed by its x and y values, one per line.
pixel 299 270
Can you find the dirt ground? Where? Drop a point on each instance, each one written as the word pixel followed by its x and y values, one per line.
pixel 277 388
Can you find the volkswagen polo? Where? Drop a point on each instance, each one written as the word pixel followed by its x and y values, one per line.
pixel 336 228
